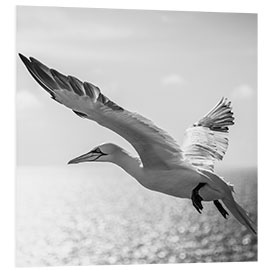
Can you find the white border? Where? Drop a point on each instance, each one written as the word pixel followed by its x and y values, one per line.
pixel 7 66
pixel 191 5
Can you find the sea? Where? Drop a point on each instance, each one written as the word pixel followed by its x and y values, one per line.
pixel 98 215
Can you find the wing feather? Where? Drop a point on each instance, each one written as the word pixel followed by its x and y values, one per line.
pixel 156 148
pixel 207 140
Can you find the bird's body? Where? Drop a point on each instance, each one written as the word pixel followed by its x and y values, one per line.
pixel 161 165
pixel 178 182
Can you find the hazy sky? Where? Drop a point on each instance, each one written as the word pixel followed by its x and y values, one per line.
pixel 171 67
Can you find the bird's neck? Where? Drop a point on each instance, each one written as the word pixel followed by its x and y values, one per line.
pixel 132 165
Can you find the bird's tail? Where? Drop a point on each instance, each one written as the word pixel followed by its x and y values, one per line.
pixel 239 213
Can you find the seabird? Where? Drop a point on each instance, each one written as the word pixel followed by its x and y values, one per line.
pixel 161 165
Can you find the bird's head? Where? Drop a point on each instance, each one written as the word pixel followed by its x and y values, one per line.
pixel 102 153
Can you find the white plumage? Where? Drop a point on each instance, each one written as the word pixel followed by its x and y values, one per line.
pixel 186 172
pixel 207 140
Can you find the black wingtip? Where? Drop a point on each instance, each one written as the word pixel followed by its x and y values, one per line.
pixel 21 55
pixel 34 60
pixel 35 72
pixel 24 59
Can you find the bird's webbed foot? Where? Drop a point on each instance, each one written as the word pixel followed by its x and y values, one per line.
pixel 196 198
pixel 220 208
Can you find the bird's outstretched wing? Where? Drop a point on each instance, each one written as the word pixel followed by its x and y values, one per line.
pixel 155 147
pixel 207 140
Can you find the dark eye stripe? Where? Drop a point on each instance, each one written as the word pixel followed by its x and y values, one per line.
pixel 98 151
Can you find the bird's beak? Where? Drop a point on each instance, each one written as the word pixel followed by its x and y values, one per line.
pixel 84 158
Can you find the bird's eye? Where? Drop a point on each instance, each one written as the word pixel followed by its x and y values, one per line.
pixel 97 150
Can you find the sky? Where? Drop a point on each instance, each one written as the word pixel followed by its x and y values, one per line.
pixel 172 67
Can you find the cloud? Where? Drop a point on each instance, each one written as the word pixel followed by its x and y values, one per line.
pixel 172 79
pixel 243 91
pixel 26 100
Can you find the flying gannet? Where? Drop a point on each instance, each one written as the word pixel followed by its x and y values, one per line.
pixel 186 172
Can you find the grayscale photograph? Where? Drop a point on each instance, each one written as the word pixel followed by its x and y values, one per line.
pixel 136 136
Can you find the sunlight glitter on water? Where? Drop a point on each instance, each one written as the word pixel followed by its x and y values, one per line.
pixel 99 215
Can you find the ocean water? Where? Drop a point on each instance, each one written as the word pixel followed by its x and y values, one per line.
pixel 83 215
